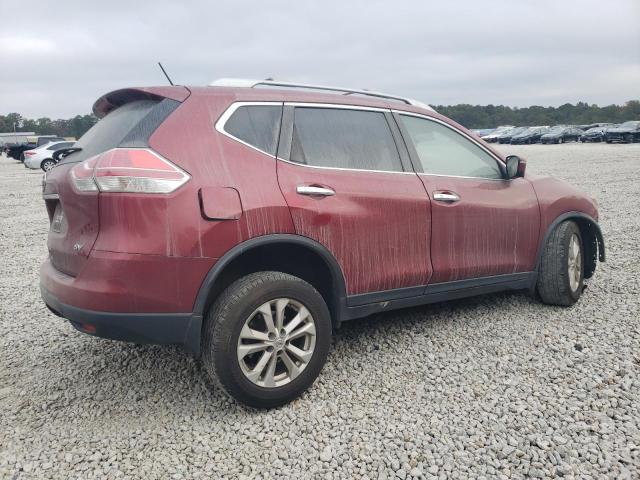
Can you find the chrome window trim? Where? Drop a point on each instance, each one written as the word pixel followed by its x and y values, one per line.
pixel 462 176
pixel 224 118
pixel 220 123
pixel 344 169
pixel 459 132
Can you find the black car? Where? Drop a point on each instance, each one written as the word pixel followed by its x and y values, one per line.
pixel 530 135
pixel 561 134
pixel 6 147
pixel 594 134
pixel 506 136
pixel 16 151
pixel 626 132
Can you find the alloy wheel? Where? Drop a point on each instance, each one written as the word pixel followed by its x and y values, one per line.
pixel 48 165
pixel 276 342
pixel 575 262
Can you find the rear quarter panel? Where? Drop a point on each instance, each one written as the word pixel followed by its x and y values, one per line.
pixel 189 139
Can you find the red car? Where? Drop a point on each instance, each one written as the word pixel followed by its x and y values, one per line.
pixel 247 223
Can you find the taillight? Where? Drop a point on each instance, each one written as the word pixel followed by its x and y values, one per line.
pixel 82 175
pixel 29 153
pixel 130 170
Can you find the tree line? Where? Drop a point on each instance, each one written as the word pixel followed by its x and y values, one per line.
pixel 489 116
pixel 471 116
pixel 72 127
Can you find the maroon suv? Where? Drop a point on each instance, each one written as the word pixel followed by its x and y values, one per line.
pixel 246 222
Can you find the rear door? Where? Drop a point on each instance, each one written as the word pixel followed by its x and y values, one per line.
pixel 482 224
pixel 345 175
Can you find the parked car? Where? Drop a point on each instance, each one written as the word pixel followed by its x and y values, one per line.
pixel 7 146
pixel 626 132
pixel 42 156
pixel 593 125
pixel 493 136
pixel 508 134
pixel 250 240
pixel 530 135
pixel 483 132
pixel 561 134
pixel 594 134
pixel 17 151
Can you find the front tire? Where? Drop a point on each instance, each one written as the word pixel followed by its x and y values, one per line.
pixel 561 275
pixel 266 339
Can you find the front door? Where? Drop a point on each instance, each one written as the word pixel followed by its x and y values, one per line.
pixel 344 174
pixel 482 224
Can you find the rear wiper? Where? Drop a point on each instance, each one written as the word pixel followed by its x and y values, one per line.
pixel 64 152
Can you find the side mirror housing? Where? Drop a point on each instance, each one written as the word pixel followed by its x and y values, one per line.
pixel 515 166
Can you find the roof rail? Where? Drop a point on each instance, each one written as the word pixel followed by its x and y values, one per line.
pixel 250 83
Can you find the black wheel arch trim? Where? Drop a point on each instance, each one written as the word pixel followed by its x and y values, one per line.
pixel 200 303
pixel 568 216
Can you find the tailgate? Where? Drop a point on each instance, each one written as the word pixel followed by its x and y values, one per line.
pixel 73 221
pixel 130 116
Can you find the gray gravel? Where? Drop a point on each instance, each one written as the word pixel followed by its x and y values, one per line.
pixel 494 386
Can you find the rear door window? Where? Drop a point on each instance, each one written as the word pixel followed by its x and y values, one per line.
pixel 343 138
pixel 257 126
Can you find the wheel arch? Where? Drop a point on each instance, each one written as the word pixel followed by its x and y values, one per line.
pixel 44 160
pixel 593 241
pixel 287 253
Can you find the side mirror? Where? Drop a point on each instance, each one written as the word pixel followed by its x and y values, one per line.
pixel 515 166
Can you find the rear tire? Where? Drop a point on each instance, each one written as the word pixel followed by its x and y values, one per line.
pixel 561 275
pixel 560 140
pixel 47 164
pixel 236 325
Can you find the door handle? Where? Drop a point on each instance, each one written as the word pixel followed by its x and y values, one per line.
pixel 446 196
pixel 314 191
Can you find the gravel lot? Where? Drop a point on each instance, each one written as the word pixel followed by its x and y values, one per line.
pixel 494 386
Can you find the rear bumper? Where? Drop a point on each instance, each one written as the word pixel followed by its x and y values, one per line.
pixel 31 163
pixel 157 328
pixel 129 297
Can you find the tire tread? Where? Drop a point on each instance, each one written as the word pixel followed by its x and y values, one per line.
pixel 553 276
pixel 213 338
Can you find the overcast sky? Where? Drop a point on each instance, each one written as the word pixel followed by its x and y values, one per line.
pixel 56 58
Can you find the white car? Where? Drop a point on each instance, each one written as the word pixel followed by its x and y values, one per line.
pixel 42 157
pixel 493 136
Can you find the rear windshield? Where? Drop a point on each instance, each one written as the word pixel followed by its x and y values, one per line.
pixel 130 124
